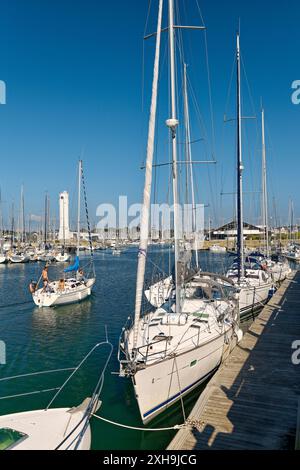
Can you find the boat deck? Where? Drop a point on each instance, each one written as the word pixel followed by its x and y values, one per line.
pixel 252 402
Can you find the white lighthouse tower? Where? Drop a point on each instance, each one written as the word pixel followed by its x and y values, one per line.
pixel 64 229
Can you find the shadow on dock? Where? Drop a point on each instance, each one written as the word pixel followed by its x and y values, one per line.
pixel 252 401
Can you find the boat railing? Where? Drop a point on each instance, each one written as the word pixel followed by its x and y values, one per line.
pixel 57 389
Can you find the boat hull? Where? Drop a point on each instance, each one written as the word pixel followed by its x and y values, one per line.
pixel 43 299
pixel 46 429
pixel 253 298
pixel 159 386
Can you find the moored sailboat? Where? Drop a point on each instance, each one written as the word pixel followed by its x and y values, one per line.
pixel 249 276
pixel 169 351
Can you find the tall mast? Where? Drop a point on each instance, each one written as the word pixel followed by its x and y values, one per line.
pixel 12 224
pixel 190 164
pixel 22 216
pixel 46 220
pixel 172 124
pixel 240 168
pixel 78 205
pixel 145 215
pixel 264 185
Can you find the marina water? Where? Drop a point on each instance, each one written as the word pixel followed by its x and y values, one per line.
pixel 55 338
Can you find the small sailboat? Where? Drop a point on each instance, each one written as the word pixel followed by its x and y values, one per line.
pixel 71 289
pixel 171 350
pixel 62 257
pixel 18 257
pixel 66 428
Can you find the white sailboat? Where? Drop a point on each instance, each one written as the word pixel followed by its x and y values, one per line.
pixel 73 289
pixel 50 428
pixel 171 350
pixel 249 276
pixel 218 249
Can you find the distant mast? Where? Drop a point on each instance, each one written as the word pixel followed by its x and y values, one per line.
pixel 46 220
pixel 240 168
pixel 78 207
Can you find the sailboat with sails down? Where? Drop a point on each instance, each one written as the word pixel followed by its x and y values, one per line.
pixel 169 350
pixel 73 289
pixel 249 275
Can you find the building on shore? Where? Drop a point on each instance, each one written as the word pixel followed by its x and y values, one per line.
pixel 229 231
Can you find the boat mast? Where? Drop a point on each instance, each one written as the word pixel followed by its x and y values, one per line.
pixel 189 160
pixel 22 216
pixel 46 220
pixel 78 206
pixel 172 123
pixel 264 185
pixel 12 224
pixel 145 215
pixel 240 168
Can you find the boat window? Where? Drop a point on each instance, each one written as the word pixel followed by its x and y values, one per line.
pixel 162 338
pixel 216 294
pixel 9 438
pixel 196 293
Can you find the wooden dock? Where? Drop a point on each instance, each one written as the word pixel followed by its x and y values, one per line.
pixel 252 402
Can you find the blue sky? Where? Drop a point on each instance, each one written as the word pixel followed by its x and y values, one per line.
pixel 73 71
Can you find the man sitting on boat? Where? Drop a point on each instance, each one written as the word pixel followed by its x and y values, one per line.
pixel 32 286
pixel 61 285
pixel 80 276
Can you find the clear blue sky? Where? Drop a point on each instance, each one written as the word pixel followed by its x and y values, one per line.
pixel 73 71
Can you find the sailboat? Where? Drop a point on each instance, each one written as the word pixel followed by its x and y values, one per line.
pixel 18 255
pixel 52 428
pixel 169 351
pixel 72 289
pixel 248 274
pixel 276 266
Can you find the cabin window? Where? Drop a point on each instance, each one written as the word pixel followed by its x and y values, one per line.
pixel 10 437
pixel 193 363
pixel 162 338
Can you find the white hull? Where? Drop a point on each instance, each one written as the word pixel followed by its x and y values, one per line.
pixel 253 298
pixel 62 258
pixel 157 387
pixel 17 259
pixel 73 293
pixel 46 429
pixel 218 249
pixel 2 259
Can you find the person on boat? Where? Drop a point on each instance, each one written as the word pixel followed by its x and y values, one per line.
pixel 45 274
pixel 80 275
pixel 32 286
pixel 61 285
pixel 46 287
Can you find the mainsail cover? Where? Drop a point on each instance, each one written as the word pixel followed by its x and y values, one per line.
pixel 73 267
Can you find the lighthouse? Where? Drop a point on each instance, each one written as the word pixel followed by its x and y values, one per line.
pixel 64 229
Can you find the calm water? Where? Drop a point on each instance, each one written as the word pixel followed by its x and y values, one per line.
pixel 44 339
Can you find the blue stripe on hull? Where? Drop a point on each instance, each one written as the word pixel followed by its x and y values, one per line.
pixel 178 394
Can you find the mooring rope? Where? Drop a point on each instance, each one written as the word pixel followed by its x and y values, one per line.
pixel 135 428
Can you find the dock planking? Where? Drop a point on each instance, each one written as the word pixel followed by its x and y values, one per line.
pixel 251 403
